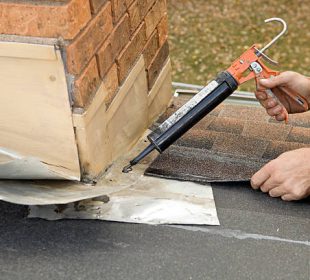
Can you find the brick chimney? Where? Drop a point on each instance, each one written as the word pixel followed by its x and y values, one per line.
pixel 115 56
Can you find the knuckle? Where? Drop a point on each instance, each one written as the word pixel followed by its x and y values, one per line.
pixel 297 193
pixel 272 166
pixel 287 75
pixel 278 177
pixel 287 187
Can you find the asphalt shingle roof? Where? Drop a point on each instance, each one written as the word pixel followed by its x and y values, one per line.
pixel 230 144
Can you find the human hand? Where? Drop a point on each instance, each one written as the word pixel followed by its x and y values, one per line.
pixel 290 81
pixel 287 177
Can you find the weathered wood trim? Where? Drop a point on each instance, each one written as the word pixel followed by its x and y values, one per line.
pixel 27 51
pixel 35 114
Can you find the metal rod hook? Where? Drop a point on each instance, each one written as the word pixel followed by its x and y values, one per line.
pixel 278 36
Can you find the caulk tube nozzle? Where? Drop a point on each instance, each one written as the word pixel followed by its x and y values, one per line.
pixel 139 157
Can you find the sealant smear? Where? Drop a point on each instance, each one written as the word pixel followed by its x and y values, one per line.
pixel 230 233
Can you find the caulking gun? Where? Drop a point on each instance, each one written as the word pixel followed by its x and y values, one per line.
pixel 215 93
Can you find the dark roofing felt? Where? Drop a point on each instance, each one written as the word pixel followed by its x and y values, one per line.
pixel 230 144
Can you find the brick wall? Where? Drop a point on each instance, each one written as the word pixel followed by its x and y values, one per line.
pixel 112 50
pixel 101 39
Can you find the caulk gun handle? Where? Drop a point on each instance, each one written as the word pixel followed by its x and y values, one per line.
pixel 295 100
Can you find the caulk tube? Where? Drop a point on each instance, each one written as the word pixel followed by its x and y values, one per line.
pixel 192 112
pixel 188 115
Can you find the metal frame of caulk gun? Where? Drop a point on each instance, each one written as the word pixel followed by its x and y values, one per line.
pixel 204 101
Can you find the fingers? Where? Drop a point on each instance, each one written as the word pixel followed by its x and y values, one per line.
pixel 277 192
pixel 281 117
pixel 285 193
pixel 282 79
pixel 261 95
pixel 271 103
pixel 276 110
pixel 265 100
pixel 260 177
pixel 272 106
pixel 286 177
pixel 288 197
pixel 281 192
pixel 268 103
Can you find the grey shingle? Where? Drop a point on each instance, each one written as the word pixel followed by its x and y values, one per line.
pixel 230 144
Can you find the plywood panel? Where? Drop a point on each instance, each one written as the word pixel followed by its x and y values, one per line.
pixel 29 51
pixel 35 113
pixel 102 134
pixel 161 94
pixel 128 113
pixel 92 138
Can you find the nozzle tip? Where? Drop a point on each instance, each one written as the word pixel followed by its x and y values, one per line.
pixel 127 168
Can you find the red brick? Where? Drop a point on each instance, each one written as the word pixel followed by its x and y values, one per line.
pixel 151 48
pixel 137 12
pixel 96 5
pixel 135 16
pixel 44 20
pixel 105 57
pixel 118 9
pixel 112 47
pixel 121 35
pixel 111 83
pixel 86 85
pixel 157 64
pixel 163 30
pixel 128 3
pixel 145 6
pixel 87 43
pixel 131 52
pixel 152 19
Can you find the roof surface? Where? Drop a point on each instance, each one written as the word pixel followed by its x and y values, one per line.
pixel 230 144
pixel 259 238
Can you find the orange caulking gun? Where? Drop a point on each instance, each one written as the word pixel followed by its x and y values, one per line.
pixel 215 93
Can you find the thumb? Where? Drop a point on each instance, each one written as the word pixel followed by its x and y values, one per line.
pixel 273 81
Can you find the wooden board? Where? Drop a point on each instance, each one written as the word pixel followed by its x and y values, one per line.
pixel 161 94
pixel 35 113
pixel 105 134
pixel 102 134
